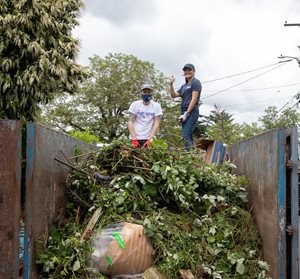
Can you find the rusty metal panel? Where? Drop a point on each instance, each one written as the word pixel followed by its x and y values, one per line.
pixel 281 201
pixel 261 158
pixel 10 188
pixel 45 186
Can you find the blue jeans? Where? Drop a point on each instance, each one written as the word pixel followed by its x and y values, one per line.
pixel 188 128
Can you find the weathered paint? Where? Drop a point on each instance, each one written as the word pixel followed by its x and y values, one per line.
pixel 293 134
pixel 257 158
pixel 30 144
pixel 45 186
pixel 281 206
pixel 10 188
pixel 264 160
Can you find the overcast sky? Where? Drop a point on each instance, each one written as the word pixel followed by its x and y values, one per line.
pixel 220 37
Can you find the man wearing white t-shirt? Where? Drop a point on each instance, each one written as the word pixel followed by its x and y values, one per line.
pixel 144 118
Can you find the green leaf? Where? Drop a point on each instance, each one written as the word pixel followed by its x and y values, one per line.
pixel 263 265
pixel 240 268
pixel 156 168
pixel 150 190
pixel 211 239
pixel 139 178
pixel 119 200
pixel 76 265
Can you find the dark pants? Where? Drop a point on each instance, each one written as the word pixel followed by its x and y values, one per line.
pixel 188 128
pixel 142 142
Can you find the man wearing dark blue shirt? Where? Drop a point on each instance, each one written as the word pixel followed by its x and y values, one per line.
pixel 190 94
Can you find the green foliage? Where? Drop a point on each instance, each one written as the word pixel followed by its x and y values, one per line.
pixel 37 54
pixel 201 127
pixel 219 116
pixel 170 130
pixel 272 118
pixel 245 131
pixel 269 119
pixel 223 244
pixel 85 136
pixel 237 132
pixel 221 126
pixel 195 214
pixel 102 103
pixel 66 256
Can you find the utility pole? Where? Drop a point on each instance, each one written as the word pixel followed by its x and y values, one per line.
pixel 291 57
pixel 292 24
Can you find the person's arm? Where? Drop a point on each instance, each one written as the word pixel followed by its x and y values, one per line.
pixel 155 126
pixel 173 93
pixel 195 95
pixel 131 120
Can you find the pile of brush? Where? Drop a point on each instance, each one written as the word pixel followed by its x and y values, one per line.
pixel 196 215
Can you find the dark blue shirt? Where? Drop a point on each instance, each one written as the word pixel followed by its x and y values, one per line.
pixel 185 92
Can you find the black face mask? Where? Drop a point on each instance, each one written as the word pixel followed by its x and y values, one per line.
pixel 146 97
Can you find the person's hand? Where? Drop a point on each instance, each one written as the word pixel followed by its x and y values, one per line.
pixel 147 143
pixel 135 143
pixel 172 80
pixel 182 118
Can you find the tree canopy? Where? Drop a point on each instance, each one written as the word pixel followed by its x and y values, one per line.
pixel 103 100
pixel 220 124
pixel 37 54
pixel 273 118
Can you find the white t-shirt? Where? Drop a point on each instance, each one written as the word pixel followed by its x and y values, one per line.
pixel 145 115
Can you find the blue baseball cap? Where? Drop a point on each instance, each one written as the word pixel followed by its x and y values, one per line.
pixel 189 66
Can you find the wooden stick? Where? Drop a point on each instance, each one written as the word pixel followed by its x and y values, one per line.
pixel 79 198
pixel 89 228
pixel 70 166
pixel 65 156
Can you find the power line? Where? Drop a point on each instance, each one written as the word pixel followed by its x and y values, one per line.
pixel 288 110
pixel 251 110
pixel 295 96
pixel 261 101
pixel 261 106
pixel 284 106
pixel 242 73
pixel 258 89
pixel 257 102
pixel 245 80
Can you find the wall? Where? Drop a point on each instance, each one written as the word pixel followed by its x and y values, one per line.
pixel 270 161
